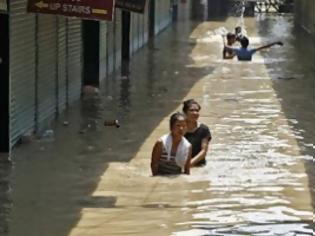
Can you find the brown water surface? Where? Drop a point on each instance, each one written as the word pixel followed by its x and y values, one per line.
pixel 90 180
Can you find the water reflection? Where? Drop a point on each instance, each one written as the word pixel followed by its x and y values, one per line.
pixel 91 110
pixel 5 201
pixel 125 93
pixel 259 167
pixel 255 182
pixel 299 65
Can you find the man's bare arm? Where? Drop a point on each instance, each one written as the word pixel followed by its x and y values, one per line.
pixel 156 155
pixel 269 45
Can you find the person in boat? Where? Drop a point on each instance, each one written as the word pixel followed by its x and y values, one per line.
pixel 198 134
pixel 171 154
pixel 244 53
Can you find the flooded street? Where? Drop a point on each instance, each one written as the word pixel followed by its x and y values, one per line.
pixel 91 180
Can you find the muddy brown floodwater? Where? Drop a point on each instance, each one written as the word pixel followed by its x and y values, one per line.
pixel 94 180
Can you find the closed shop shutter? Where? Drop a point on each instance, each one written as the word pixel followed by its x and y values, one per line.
pixel 146 23
pixel 74 59
pixel 141 30
pixel 46 69
pixel 169 12
pixel 62 63
pixel 110 47
pixel 117 38
pixel 22 70
pixel 157 17
pixel 131 34
pixel 103 45
pixel 162 15
pixel 138 30
pixel 165 13
pixel 134 32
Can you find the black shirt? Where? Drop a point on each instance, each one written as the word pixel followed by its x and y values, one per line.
pixel 196 137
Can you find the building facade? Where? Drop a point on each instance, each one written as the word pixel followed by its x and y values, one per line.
pixel 46 59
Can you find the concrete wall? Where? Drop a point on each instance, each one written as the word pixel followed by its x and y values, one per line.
pixel 305 15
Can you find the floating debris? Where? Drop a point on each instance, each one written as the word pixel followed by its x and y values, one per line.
pixel 112 123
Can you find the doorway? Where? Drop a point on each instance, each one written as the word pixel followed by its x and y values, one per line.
pixel 152 18
pixel 91 52
pixel 4 83
pixel 125 42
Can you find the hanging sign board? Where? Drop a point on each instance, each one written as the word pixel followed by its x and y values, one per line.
pixel 3 6
pixel 131 5
pixel 86 9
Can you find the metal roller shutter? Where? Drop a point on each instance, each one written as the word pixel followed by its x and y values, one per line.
pixel 110 47
pixel 117 38
pixel 62 63
pixel 168 13
pixel 131 34
pixel 138 30
pixel 103 44
pixel 165 14
pixel 157 17
pixel 163 18
pixel 162 15
pixel 141 30
pixel 22 70
pixel 46 69
pixel 134 32
pixel 146 23
pixel 74 50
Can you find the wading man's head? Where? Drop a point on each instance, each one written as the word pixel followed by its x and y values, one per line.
pixel 244 42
